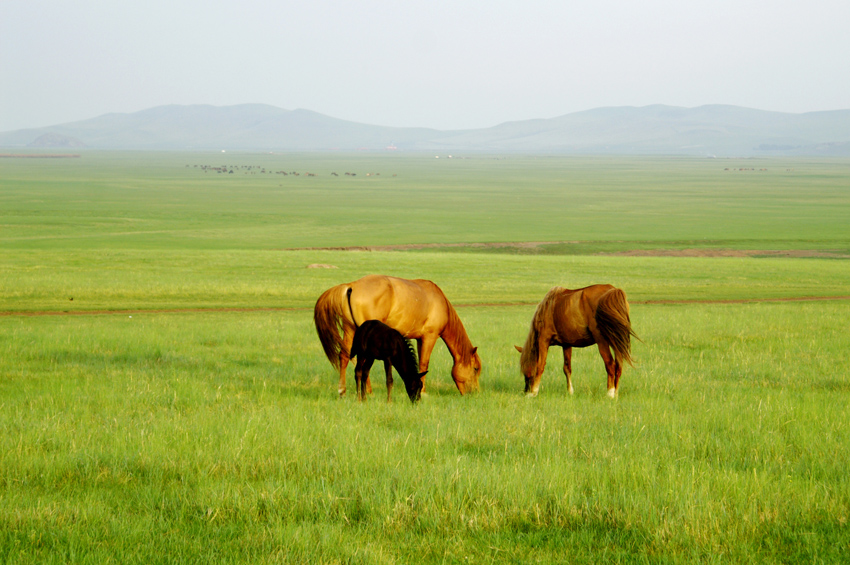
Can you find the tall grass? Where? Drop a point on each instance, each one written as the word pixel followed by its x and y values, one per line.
pixel 133 435
pixel 192 437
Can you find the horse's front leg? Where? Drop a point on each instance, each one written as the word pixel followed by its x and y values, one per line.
pixel 389 369
pixel 568 367
pixel 425 346
pixel 532 384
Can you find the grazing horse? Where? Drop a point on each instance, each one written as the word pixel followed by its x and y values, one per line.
pixel 375 340
pixel 418 309
pixel 577 318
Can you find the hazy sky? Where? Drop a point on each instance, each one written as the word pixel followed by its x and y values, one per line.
pixel 439 64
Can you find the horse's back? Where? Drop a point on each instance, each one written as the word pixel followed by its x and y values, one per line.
pixel 412 307
pixel 573 313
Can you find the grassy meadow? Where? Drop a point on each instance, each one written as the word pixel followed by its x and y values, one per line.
pixel 164 398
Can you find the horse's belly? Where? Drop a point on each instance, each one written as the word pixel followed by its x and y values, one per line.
pixel 574 337
pixel 584 342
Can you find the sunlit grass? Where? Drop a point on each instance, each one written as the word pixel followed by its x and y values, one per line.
pixel 166 425
pixel 219 436
pixel 148 280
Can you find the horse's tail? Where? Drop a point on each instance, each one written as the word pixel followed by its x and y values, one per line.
pixel 612 319
pixel 328 315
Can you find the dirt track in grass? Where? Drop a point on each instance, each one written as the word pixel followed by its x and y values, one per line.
pixel 530 245
pixel 791 253
pixel 131 313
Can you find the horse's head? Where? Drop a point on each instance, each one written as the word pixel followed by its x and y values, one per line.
pixel 532 381
pixel 414 386
pixel 466 374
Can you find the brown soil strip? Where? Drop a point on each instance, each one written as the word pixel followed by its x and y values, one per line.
pixel 792 253
pixel 475 305
pixel 37 156
pixel 152 311
pixel 744 300
pixel 695 252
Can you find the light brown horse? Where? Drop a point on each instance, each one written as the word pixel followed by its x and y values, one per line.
pixel 578 318
pixel 418 309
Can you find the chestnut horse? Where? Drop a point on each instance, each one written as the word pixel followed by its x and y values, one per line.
pixel 577 318
pixel 418 309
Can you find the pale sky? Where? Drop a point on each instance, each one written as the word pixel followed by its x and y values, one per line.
pixel 438 64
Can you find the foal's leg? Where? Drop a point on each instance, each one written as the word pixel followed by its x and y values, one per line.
pixel 389 369
pixel 345 357
pixel 610 368
pixel 568 368
pixel 361 375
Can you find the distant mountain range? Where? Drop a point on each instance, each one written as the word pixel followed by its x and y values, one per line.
pixel 716 130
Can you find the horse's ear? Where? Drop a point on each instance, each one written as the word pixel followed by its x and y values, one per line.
pixel 422 374
pixel 518 348
pixel 474 350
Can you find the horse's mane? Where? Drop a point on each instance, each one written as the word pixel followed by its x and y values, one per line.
pixel 410 353
pixel 456 332
pixel 542 317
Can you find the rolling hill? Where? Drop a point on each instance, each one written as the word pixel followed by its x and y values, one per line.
pixel 714 130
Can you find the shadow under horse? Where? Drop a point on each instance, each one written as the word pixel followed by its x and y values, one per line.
pixel 374 341
pixel 597 314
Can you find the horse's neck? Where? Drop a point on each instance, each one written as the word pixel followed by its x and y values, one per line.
pixel 455 337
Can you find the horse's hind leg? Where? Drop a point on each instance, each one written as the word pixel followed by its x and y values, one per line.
pixel 618 370
pixel 389 369
pixel 611 367
pixel 568 368
pixel 344 356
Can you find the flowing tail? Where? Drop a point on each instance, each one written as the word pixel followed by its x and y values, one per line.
pixel 329 316
pixel 612 319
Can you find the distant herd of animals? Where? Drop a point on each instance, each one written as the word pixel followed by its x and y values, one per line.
pixel 256 169
pixel 373 319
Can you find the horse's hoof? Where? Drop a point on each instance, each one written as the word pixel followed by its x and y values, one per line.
pixel 612 393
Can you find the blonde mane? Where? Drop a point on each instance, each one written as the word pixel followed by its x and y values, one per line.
pixel 530 352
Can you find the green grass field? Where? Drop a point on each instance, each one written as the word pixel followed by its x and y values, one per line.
pixel 185 412
pixel 166 201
